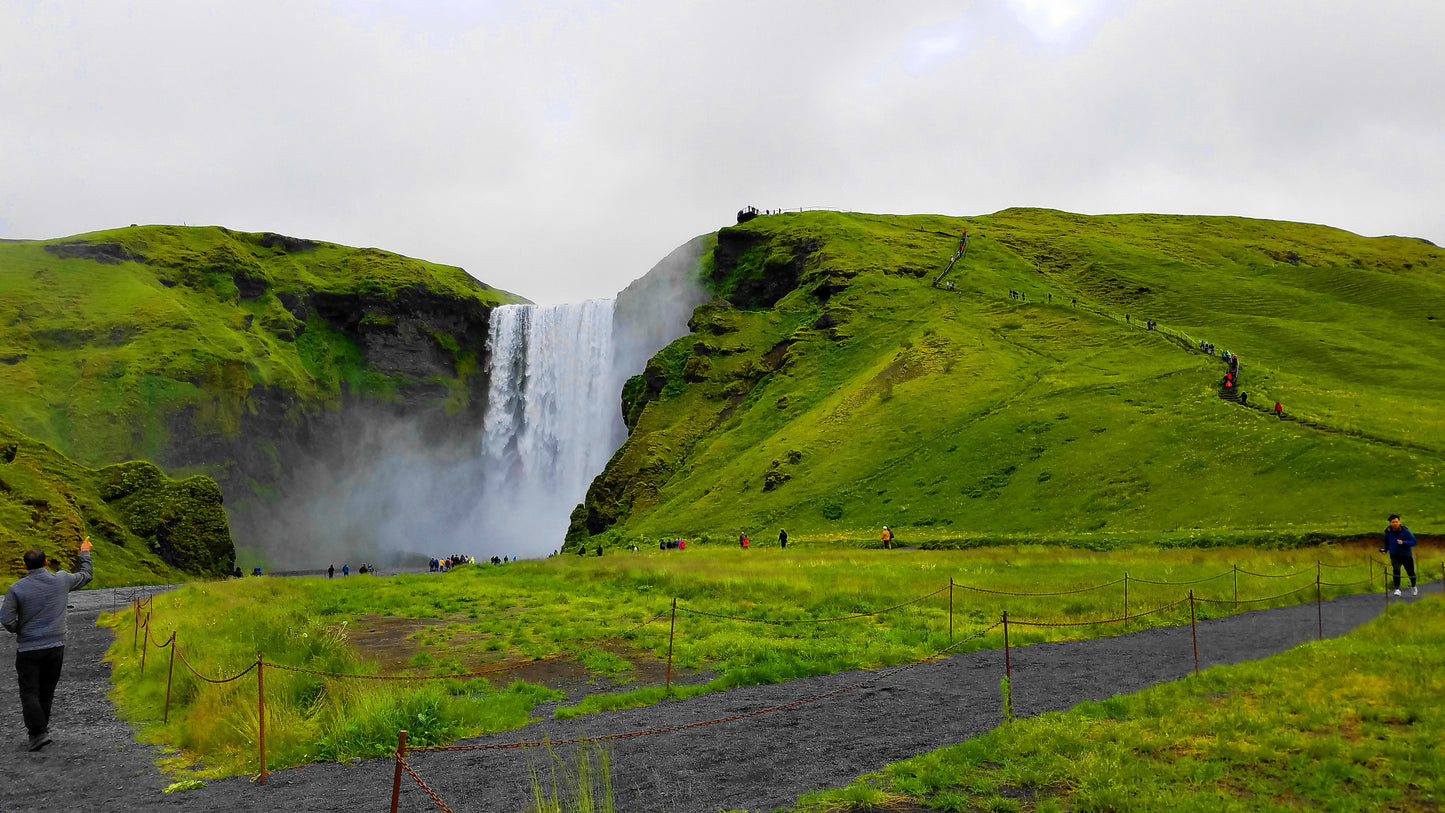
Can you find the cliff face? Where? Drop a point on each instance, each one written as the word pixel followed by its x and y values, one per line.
pixel 247 357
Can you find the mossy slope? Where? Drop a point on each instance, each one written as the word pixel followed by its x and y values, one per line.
pixel 831 389
pixel 146 527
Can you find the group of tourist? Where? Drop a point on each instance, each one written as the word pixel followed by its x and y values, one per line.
pixel 443 565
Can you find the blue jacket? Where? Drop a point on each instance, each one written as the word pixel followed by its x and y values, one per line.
pixel 1399 543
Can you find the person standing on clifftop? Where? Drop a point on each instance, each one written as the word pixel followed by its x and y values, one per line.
pixel 1400 544
pixel 34 610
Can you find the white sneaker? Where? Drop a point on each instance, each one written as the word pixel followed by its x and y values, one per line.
pixel 1414 591
pixel 1397 591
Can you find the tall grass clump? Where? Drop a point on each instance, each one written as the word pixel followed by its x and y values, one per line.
pixel 579 783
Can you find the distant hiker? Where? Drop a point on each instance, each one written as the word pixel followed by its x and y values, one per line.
pixel 1399 543
pixel 1126 319
pixel 236 573
pixel 599 550
pixel 1244 399
pixel 360 571
pixel 682 544
pixel 1279 410
pixel 256 571
pixel 1076 302
pixel 331 571
pixel 581 550
pixel 783 539
pixel 345 569
pixel 743 541
pixel 34 609
pixel 887 538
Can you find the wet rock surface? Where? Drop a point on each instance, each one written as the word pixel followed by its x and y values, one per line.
pixel 754 762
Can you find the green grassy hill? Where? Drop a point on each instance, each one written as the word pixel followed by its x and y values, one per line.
pixel 831 389
pixel 245 357
pixel 146 527
pixel 133 343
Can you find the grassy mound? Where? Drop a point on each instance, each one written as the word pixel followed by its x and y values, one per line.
pixel 831 388
pixel 146 527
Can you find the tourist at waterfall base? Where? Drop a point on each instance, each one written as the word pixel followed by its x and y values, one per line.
pixel 1400 544
pixel 34 610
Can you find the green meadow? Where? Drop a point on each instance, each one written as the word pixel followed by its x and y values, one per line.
pixel 743 618
pixel 1349 724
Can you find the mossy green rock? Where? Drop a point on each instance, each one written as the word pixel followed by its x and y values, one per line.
pixel 145 527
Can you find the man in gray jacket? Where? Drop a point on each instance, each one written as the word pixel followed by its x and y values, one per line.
pixel 34 610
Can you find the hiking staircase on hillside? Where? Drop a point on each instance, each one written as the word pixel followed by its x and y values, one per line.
pixel 957 255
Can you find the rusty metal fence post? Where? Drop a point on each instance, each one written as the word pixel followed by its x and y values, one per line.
pixel 1008 671
pixel 670 630
pixel 1194 631
pixel 170 670
pixel 396 780
pixel 261 711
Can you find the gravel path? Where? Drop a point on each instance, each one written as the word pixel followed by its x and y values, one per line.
pixel 753 764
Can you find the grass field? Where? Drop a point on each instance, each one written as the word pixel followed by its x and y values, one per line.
pixel 612 615
pixel 1351 724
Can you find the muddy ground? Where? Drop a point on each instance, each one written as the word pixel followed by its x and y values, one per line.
pixel 756 763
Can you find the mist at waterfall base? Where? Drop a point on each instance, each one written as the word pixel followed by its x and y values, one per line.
pixel 398 492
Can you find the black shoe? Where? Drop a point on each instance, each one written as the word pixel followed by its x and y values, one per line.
pixel 39 741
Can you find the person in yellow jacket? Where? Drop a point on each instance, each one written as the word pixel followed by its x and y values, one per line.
pixel 887 538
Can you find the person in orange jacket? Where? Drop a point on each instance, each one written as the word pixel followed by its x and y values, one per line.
pixel 887 538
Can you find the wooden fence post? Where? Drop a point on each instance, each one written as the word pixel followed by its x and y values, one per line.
pixel 1319 606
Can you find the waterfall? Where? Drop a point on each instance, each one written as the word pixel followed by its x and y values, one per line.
pixel 552 419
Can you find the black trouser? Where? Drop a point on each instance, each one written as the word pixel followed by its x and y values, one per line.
pixel 39 671
pixel 1408 560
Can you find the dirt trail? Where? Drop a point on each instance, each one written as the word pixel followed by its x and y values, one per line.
pixel 753 764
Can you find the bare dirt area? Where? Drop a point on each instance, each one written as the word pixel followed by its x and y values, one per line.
pixel 754 761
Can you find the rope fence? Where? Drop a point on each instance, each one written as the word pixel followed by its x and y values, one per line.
pixel 144 614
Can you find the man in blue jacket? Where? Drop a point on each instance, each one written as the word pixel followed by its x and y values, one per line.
pixel 1401 545
pixel 34 610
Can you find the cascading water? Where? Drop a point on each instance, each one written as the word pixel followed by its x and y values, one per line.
pixel 394 490
pixel 552 416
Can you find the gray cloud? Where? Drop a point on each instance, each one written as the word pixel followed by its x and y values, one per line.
pixel 559 149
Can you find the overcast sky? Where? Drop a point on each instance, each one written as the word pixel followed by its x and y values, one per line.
pixel 559 148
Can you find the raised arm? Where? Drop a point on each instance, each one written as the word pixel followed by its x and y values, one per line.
pixel 81 577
